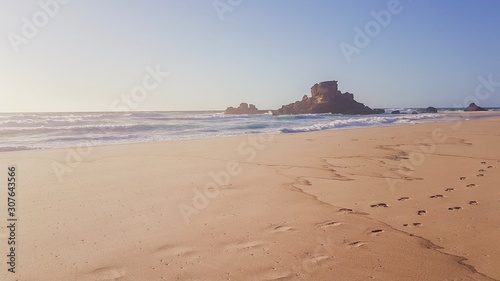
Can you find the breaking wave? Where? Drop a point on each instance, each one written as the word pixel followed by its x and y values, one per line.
pixel 369 121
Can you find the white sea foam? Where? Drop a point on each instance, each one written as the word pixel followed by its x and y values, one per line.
pixel 369 121
pixel 20 131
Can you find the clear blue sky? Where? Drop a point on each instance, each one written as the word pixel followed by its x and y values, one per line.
pixel 91 52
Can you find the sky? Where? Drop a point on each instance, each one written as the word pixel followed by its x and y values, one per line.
pixel 104 55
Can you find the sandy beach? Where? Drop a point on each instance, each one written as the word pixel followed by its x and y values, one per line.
pixel 407 202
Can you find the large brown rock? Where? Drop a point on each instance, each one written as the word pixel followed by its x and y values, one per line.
pixel 474 107
pixel 326 98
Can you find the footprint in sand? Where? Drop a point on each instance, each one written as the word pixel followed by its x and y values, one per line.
pixel 403 198
pixel 483 162
pixel 356 244
pixel 471 185
pixel 350 211
pixel 413 224
pixel 304 182
pixel 329 224
pixel 283 228
pixel 480 175
pixel 421 212
pixel 170 250
pixel 482 170
pixel 450 189
pixel 318 259
pixel 106 273
pixel 379 205
pixel 376 231
pixel 436 196
pixel 463 178
pixel 473 202
pixel 489 167
pixel 454 208
pixel 243 246
pixel 273 274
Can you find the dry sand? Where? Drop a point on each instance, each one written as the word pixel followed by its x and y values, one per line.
pixel 411 202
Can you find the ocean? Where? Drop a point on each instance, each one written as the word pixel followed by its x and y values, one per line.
pixel 23 131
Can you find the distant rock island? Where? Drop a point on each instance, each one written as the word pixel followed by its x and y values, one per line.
pixel 474 107
pixel 325 98
pixel 244 108
pixel 431 109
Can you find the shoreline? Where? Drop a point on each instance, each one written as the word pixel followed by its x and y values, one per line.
pixel 483 114
pixel 343 203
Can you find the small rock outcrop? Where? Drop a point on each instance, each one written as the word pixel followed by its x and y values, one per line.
pixel 431 109
pixel 395 112
pixel 244 108
pixel 326 98
pixel 474 107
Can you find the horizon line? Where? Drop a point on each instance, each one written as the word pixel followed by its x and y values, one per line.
pixel 210 110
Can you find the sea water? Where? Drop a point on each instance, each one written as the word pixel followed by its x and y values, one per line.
pixel 21 131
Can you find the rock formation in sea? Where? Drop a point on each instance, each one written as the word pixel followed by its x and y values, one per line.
pixel 326 98
pixel 244 108
pixel 431 109
pixel 474 107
